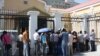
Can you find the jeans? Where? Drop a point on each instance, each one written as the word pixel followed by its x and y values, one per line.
pixel 81 46
pixel 93 47
pixel 37 47
pixel 14 48
pixel 25 50
pixel 7 49
pixel 87 45
pixel 20 46
pixel 64 49
pixel 44 49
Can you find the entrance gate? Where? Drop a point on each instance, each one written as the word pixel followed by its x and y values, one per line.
pixel 44 21
pixel 71 23
pixel 77 24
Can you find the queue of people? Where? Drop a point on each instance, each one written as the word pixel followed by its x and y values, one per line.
pixel 59 43
pixel 51 43
pixel 10 44
pixel 83 41
pixel 64 43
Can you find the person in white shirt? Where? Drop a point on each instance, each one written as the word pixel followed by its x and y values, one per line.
pixel 20 37
pixel 14 43
pixel 81 41
pixel 70 44
pixel 56 39
pixel 36 38
pixel 86 39
pixel 20 44
pixel 92 35
pixel 92 40
pixel 81 37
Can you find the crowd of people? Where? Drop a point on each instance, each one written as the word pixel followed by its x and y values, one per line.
pixel 64 43
pixel 59 43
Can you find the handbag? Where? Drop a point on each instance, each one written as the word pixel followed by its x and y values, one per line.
pixel 47 49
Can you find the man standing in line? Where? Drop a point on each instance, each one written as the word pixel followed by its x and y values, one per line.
pixel 25 40
pixel 36 38
pixel 92 40
pixel 70 43
pixel 81 41
pixel 64 36
pixel 86 38
pixel 20 44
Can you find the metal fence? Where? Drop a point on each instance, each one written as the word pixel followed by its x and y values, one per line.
pixel 67 22
pixel 13 22
pixel 45 21
pixel 94 23
pixel 76 24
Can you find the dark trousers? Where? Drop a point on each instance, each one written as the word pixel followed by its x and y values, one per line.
pixel 87 45
pixel 81 46
pixel 20 46
pixel 93 46
pixel 59 50
pixel 37 48
pixel 76 47
pixel 51 48
pixel 55 48
pixel 44 48
pixel 7 48
pixel 29 49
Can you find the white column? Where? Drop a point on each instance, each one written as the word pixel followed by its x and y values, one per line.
pixel 32 22
pixel 85 23
pixel 57 21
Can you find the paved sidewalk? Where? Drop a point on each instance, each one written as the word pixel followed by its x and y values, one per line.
pixel 95 53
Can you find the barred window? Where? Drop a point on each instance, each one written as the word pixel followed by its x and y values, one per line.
pixel 1 24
